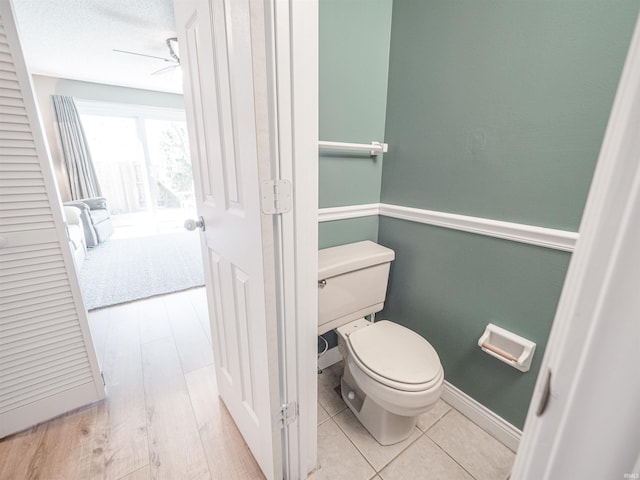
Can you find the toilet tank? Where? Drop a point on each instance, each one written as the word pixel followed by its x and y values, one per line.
pixel 352 282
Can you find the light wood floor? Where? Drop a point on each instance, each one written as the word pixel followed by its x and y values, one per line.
pixel 162 418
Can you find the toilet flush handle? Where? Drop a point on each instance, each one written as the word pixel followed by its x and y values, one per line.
pixel 322 283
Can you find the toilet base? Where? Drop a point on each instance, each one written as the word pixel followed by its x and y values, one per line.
pixel 386 427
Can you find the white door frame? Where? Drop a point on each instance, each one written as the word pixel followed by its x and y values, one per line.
pixel 293 58
pixel 591 425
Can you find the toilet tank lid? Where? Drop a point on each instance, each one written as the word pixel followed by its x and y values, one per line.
pixel 352 256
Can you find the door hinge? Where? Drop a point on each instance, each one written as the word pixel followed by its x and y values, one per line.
pixel 102 376
pixel 276 197
pixel 288 414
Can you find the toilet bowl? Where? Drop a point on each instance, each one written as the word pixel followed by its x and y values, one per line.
pixel 391 374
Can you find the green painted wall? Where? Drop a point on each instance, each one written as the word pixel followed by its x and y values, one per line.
pixel 354 38
pixel 495 109
pixel 448 285
pixel 354 58
pixel 352 230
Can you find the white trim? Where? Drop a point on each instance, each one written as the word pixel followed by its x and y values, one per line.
pixel 331 357
pixel 489 421
pixel 292 39
pixel 115 109
pixel 516 232
pixel 374 148
pixel 332 214
pixel 50 407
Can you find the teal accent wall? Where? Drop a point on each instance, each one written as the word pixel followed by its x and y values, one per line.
pixel 354 58
pixel 354 38
pixel 339 232
pixel 497 108
pixel 448 285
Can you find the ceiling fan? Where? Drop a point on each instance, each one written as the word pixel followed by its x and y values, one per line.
pixel 172 44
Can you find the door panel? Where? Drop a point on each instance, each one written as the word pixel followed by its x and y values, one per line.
pixel 220 85
pixel 197 126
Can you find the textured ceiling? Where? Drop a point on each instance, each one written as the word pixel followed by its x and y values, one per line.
pixel 75 39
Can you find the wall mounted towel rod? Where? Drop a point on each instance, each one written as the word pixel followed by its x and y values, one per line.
pixel 374 147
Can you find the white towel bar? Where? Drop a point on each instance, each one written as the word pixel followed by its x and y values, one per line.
pixel 374 147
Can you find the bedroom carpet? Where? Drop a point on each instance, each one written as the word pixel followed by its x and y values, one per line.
pixel 123 270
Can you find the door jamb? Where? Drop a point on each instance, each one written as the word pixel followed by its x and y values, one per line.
pixel 292 46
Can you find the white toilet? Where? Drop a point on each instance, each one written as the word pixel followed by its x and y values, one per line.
pixel 391 374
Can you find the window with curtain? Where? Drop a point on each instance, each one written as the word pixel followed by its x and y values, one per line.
pixel 141 157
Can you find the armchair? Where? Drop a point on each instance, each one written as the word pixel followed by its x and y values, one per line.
pixel 96 219
pixel 75 232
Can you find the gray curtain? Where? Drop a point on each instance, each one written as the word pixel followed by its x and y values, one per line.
pixel 83 181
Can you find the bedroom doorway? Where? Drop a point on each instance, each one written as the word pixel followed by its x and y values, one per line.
pixel 141 157
pixel 142 160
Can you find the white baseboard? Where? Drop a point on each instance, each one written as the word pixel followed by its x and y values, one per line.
pixel 331 357
pixel 490 422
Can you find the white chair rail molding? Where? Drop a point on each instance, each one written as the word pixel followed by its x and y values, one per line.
pixel 517 232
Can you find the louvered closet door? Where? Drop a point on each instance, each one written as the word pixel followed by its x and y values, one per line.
pixel 47 362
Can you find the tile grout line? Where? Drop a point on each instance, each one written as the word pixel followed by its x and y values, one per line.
pixel 422 434
pixel 360 451
pixel 356 447
pixel 402 451
pixel 346 407
pixel 332 418
pixel 451 409
pixel 454 460
pixel 441 448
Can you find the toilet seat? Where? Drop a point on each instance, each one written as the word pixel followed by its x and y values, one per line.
pixel 397 401
pixel 396 357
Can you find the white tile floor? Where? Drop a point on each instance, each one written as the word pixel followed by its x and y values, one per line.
pixel 445 445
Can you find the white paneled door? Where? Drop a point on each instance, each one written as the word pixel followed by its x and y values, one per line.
pixel 47 362
pixel 227 104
